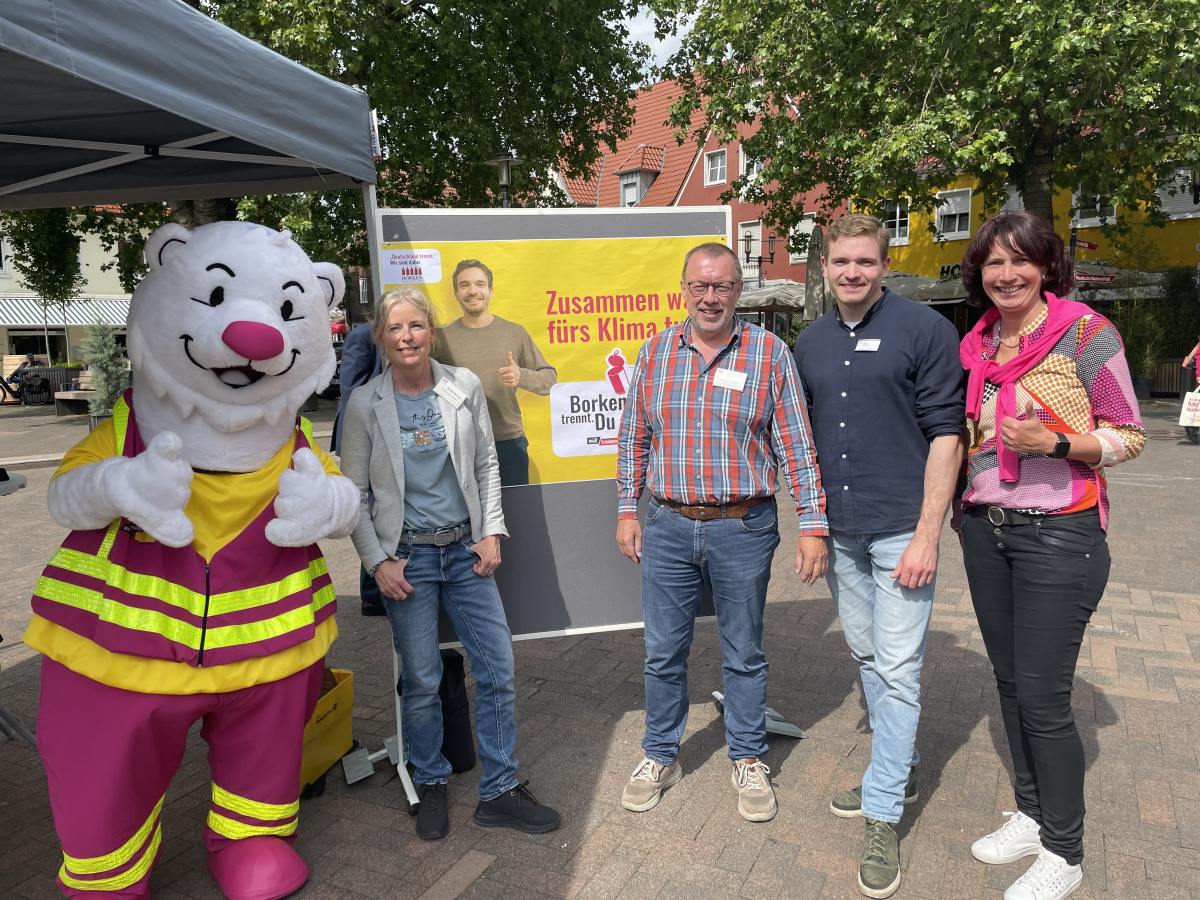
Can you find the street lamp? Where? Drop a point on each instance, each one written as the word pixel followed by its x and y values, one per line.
pixel 747 244
pixel 504 164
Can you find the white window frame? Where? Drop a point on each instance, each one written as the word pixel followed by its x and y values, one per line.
pixel 628 180
pixel 805 226
pixel 956 202
pixel 1080 221
pixel 1179 206
pixel 745 161
pixel 898 239
pixel 1015 202
pixel 749 269
pixel 711 157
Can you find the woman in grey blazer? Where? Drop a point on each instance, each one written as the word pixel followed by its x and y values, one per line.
pixel 417 441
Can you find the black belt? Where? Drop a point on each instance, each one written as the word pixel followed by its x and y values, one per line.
pixel 999 515
pixel 442 537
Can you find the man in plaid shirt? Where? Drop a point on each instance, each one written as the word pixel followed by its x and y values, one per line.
pixel 714 406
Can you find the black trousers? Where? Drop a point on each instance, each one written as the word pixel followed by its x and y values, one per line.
pixel 1034 587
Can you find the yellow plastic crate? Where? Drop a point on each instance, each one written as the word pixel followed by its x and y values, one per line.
pixel 328 735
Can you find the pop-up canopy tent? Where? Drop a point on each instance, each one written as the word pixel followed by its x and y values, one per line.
pixel 123 101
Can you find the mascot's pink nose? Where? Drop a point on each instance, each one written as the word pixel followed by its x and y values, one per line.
pixel 253 340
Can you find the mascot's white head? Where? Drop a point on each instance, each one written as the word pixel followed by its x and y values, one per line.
pixel 232 323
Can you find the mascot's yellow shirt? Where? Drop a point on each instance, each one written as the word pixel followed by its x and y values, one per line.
pixel 221 506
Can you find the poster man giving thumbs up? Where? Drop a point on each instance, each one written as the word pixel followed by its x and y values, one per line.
pixel 504 357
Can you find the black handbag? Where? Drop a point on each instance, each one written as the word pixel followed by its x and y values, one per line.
pixel 458 745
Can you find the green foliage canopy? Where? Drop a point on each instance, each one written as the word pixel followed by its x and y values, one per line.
pixel 455 84
pixel 875 99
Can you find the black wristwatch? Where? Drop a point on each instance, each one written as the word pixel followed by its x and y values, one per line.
pixel 1062 447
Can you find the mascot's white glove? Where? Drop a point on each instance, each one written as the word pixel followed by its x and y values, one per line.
pixel 312 504
pixel 151 490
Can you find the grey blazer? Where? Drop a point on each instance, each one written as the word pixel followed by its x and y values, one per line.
pixel 373 458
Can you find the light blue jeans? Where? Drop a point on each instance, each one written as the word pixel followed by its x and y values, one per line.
pixel 442 577
pixel 732 557
pixel 886 626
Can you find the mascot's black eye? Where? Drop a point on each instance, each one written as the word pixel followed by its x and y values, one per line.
pixel 287 312
pixel 216 298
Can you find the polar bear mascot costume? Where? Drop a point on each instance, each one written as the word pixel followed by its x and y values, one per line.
pixel 191 586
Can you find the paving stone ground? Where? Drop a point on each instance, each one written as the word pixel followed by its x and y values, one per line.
pixel 1137 699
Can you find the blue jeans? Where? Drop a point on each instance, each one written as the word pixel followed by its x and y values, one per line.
pixel 680 557
pixel 886 626
pixel 443 577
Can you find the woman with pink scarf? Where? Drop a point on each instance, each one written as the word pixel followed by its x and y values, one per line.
pixel 1049 406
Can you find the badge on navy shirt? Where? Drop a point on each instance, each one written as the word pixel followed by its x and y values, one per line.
pixel 450 392
pixel 730 379
pixel 867 345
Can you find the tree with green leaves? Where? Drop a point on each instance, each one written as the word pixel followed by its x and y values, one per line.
pixel 110 373
pixel 45 253
pixel 455 85
pixel 869 100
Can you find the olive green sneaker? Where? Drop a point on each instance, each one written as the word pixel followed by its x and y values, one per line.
pixel 879 870
pixel 848 804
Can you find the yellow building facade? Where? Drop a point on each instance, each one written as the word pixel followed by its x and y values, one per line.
pixel 1138 246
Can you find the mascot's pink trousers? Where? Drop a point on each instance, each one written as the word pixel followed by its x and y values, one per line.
pixel 133 744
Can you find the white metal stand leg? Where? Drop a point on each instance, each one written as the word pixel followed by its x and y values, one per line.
pixel 402 765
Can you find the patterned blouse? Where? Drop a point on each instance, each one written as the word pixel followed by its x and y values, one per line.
pixel 1082 386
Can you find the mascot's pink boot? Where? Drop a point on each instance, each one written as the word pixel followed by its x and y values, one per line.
pixel 257 868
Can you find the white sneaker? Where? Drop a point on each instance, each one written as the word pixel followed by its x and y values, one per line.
pixel 1015 838
pixel 1049 878
pixel 646 784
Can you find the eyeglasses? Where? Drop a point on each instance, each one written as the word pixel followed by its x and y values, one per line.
pixel 723 289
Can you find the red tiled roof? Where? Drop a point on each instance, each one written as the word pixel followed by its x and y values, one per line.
pixel 651 146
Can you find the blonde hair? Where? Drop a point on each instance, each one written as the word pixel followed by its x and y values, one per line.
pixel 857 225
pixel 392 299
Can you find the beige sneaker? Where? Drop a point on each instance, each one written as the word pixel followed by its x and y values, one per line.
pixel 756 798
pixel 646 784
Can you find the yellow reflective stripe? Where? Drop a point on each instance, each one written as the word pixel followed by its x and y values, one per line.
pixel 252 632
pixel 120 422
pixel 110 538
pixel 131 582
pixel 131 875
pixel 236 831
pixel 245 806
pixel 267 593
pixel 123 854
pixel 306 427
pixel 117 613
pixel 179 596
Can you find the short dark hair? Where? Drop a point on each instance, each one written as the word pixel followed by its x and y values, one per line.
pixel 469 264
pixel 713 248
pixel 1033 237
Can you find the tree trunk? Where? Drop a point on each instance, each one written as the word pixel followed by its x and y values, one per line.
pixel 1037 192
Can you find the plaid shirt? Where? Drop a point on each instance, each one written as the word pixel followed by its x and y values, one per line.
pixel 695 441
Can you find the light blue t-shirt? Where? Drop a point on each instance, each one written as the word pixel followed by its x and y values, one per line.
pixel 432 497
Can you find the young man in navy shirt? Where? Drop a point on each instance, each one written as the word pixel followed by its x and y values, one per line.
pixel 884 385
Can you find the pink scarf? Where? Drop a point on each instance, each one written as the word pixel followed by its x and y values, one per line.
pixel 1060 315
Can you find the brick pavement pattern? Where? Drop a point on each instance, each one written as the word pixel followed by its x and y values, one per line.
pixel 1137 699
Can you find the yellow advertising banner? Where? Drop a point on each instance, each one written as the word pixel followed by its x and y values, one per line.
pixel 584 295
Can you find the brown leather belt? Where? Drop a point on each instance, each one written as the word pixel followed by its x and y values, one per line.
pixel 706 512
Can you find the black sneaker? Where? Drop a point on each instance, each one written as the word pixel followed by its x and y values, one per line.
pixel 433 819
pixel 517 809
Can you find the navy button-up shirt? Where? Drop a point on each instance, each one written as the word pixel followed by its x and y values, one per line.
pixel 878 394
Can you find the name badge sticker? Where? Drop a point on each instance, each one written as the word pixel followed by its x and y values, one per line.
pixel 450 393
pixel 728 378
pixel 867 345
